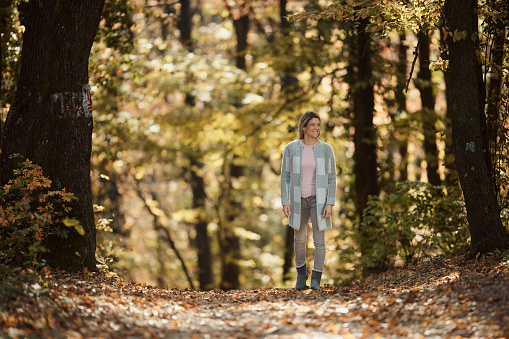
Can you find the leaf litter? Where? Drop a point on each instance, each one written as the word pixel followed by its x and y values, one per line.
pixel 446 298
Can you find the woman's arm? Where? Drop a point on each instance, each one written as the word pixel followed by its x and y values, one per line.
pixel 331 186
pixel 285 177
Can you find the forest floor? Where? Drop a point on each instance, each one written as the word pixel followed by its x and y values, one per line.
pixel 445 298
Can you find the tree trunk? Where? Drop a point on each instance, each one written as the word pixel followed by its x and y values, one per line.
pixel 401 102
pixel 288 87
pixel 425 87
pixel 493 122
pixel 185 24
pixel 451 177
pixel 289 80
pixel 5 12
pixel 241 25
pixel 50 121
pixel 229 241
pixel 163 20
pixel 288 253
pixel 205 276
pixel 361 88
pixel 365 157
pixel 197 183
pixel 486 230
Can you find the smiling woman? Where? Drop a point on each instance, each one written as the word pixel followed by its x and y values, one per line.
pixel 308 191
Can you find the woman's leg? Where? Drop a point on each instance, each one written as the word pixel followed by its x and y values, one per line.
pixel 300 236
pixel 319 242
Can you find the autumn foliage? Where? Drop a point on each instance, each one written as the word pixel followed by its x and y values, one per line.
pixel 31 212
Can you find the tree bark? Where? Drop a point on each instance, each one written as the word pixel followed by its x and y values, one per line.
pixel 365 158
pixel 289 80
pixel 401 102
pixel 451 177
pixel 425 87
pixel 5 12
pixel 229 241
pixel 361 87
pixel 241 25
pixel 498 30
pixel 486 230
pixel 288 87
pixel 50 121
pixel 197 183
pixel 185 24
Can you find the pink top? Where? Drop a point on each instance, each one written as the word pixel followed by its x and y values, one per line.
pixel 308 175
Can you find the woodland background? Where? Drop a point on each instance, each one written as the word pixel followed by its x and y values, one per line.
pixel 194 101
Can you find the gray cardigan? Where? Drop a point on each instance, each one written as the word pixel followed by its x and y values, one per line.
pixel 325 181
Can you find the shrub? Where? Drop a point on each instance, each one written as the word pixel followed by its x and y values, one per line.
pixel 414 221
pixel 30 212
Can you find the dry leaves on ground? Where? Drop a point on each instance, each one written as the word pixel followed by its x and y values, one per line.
pixel 447 298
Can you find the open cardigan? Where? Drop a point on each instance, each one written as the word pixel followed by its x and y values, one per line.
pixel 325 181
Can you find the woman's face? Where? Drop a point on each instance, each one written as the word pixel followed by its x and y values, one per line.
pixel 313 128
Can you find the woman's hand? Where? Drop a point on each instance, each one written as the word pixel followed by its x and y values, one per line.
pixel 287 210
pixel 327 211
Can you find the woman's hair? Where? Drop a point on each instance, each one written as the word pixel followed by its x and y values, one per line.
pixel 304 121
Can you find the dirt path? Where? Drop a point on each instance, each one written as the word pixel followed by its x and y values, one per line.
pixel 451 299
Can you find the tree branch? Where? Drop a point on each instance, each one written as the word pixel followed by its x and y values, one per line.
pixel 158 226
pixel 416 53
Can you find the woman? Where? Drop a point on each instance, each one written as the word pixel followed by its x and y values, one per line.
pixel 308 191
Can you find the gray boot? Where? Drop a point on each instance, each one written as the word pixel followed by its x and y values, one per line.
pixel 302 276
pixel 315 280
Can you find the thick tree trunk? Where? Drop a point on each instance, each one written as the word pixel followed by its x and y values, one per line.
pixel 365 157
pixel 50 121
pixel 425 87
pixel 486 229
